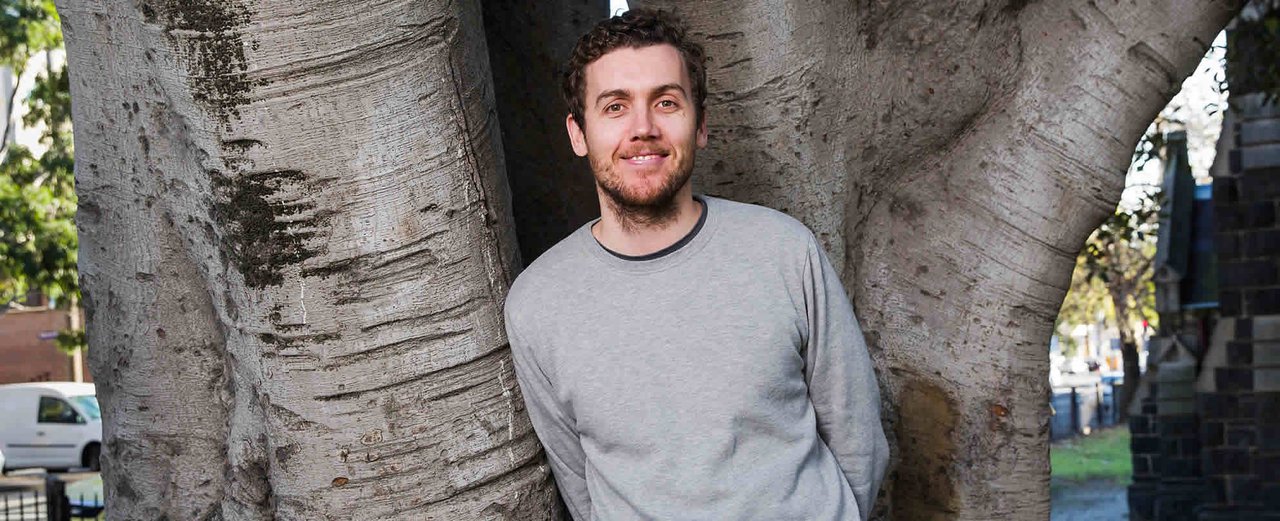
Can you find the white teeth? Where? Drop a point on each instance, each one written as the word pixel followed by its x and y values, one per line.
pixel 643 158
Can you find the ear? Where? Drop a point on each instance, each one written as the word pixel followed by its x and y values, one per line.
pixel 702 130
pixel 576 137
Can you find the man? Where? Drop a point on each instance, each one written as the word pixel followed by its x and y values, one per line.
pixel 686 357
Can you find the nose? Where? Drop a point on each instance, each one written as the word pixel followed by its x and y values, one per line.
pixel 642 124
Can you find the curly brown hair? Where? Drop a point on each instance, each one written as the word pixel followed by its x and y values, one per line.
pixel 634 29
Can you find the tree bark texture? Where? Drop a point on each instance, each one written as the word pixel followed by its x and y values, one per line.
pixel 952 157
pixel 552 191
pixel 295 243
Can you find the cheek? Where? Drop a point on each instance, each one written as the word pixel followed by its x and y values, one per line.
pixel 601 141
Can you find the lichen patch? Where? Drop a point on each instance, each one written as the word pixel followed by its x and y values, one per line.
pixel 208 35
pixel 270 220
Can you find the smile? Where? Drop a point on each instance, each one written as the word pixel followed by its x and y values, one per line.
pixel 645 159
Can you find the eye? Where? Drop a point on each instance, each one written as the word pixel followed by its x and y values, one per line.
pixel 613 107
pixel 666 103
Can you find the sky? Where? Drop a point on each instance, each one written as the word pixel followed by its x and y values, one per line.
pixel 1192 105
pixel 617 6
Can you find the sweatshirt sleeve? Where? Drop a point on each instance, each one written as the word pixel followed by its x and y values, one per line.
pixel 842 383
pixel 553 423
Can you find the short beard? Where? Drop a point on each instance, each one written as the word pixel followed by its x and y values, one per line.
pixel 634 214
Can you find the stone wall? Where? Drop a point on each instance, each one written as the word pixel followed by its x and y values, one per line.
pixel 1239 404
pixel 1238 397
pixel 1206 431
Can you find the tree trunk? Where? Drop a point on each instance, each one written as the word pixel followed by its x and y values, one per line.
pixel 1128 347
pixel 295 243
pixel 952 157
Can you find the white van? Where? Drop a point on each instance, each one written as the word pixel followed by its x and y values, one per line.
pixel 55 425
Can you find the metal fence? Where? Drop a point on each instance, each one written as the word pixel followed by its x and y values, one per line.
pixel 1082 409
pixel 51 504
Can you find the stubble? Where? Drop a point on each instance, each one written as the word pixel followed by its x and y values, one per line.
pixel 634 211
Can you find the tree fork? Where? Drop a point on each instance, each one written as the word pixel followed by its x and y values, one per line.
pixel 952 157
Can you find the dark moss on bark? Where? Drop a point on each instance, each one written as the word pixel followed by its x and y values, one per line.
pixel 294 341
pixel 207 34
pixel 267 226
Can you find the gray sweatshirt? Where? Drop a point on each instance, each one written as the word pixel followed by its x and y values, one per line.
pixel 722 378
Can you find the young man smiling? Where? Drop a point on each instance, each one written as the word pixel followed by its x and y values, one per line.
pixel 685 356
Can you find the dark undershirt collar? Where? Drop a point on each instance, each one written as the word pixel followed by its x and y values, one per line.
pixel 702 219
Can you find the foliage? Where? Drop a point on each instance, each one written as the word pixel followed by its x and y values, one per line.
pixel 71 340
pixel 1086 296
pixel 38 240
pixel 26 28
pixel 1119 248
pixel 37 233
pixel 1151 145
pixel 1104 455
pixel 1116 260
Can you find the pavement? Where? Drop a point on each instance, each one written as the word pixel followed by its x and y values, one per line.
pixel 33 479
pixel 1089 500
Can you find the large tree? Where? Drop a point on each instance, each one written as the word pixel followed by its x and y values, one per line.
pixel 296 235
pixel 954 157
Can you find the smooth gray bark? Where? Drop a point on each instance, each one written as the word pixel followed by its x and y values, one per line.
pixel 295 237
pixel 295 243
pixel 953 157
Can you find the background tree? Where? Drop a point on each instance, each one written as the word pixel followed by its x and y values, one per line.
pixel 1120 255
pixel 1116 262
pixel 317 240
pixel 37 191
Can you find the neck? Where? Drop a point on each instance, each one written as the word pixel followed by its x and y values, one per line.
pixel 637 233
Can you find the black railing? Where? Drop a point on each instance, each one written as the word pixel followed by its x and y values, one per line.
pixel 23 505
pixel 51 504
pixel 1083 408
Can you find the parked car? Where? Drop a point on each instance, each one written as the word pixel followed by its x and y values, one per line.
pixel 54 425
pixel 1 461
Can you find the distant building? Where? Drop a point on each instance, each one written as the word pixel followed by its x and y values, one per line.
pixel 1206 422
pixel 28 352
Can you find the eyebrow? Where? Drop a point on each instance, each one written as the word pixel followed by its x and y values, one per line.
pixel 626 94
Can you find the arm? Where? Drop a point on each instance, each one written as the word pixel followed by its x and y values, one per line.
pixel 555 427
pixel 842 384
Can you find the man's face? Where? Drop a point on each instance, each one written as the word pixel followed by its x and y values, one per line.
pixel 641 125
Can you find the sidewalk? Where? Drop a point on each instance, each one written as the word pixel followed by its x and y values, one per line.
pixel 1088 500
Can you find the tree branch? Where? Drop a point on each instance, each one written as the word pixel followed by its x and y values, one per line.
pixel 8 116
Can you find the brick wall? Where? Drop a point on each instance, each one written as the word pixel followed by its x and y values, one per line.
pixel 1245 199
pixel 24 356
pixel 1165 436
pixel 1144 446
pixel 1239 404
pixel 1238 398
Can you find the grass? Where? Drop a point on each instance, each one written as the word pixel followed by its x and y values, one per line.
pixel 1102 455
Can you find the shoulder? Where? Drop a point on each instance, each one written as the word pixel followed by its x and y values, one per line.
pixel 760 225
pixel 538 283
